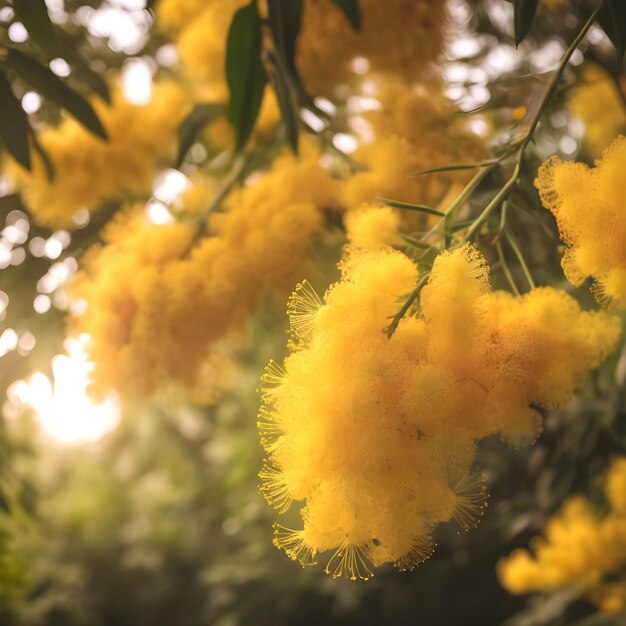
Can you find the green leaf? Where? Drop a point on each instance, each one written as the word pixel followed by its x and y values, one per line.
pixel 613 22
pixel 47 162
pixel 543 609
pixel 352 11
pixel 456 168
pixel 14 125
pixel 602 619
pixel 285 19
pixel 189 128
pixel 525 11
pixel 82 69
pixel 287 100
pixel 34 15
pixel 416 243
pixel 245 73
pixel 396 204
pixel 51 86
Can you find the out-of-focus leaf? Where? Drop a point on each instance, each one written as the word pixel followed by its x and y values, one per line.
pixel 47 163
pixel 524 15
pixel 602 619
pixel 245 73
pixel 52 87
pixel 545 608
pixel 456 168
pixel 14 125
pixel 351 10
pixel 287 101
pixel 8 203
pixel 420 208
pixel 34 15
pixel 285 18
pixel 613 22
pixel 189 128
pixel 83 70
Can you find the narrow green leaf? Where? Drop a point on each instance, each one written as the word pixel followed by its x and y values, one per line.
pixel 351 10
pixel 9 203
pixel 47 162
pixel 34 15
pixel 613 22
pixel 396 204
pixel 14 124
pixel 461 225
pixel 416 243
pixel 82 69
pixel 287 100
pixel 189 128
pixel 456 168
pixel 285 19
pixel 51 86
pixel 524 15
pixel 245 73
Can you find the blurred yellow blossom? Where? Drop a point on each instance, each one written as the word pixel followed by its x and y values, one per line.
pixel 89 171
pixel 581 544
pixel 588 204
pixel 598 103
pixel 373 226
pixel 399 37
pixel 159 310
pixel 200 31
pixel 556 5
pixel 413 128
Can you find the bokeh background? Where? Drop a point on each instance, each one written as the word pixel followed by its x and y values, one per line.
pixel 121 512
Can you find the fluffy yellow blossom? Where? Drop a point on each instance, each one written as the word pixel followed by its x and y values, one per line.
pixel 220 132
pixel 377 436
pixel 396 36
pixel 373 226
pixel 588 204
pixel 581 545
pixel 200 31
pixel 413 129
pixel 202 45
pixel 158 312
pixel 597 102
pixel 90 171
pixel 173 16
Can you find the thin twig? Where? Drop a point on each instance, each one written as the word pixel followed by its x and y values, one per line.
pixel 528 137
pixel 510 239
pixel 506 270
pixel 236 172
pixel 407 305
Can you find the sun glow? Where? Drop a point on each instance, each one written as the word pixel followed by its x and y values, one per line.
pixel 63 407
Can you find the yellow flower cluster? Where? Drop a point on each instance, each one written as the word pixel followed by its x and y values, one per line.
pixel 378 435
pixel 597 102
pixel 158 313
pixel 588 204
pixel 580 545
pixel 373 226
pixel 89 171
pixel 413 129
pixel 200 31
pixel 396 36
